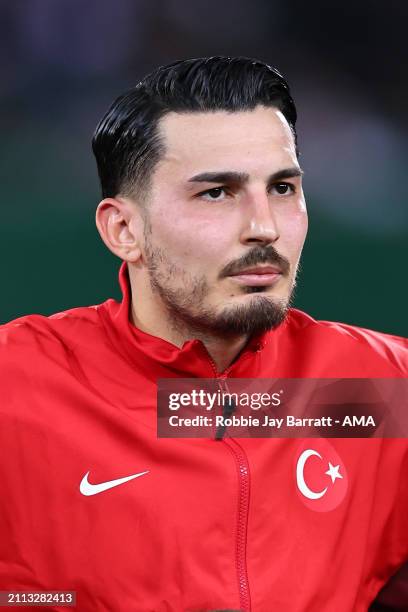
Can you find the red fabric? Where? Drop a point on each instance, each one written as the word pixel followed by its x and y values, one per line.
pixel 214 524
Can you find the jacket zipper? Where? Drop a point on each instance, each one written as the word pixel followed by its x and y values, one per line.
pixel 243 506
pixel 242 524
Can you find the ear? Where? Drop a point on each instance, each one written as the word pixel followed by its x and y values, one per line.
pixel 120 225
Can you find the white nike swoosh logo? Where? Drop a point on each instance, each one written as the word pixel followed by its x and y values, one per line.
pixel 86 488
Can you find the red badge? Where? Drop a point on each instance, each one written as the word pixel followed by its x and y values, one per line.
pixel 320 475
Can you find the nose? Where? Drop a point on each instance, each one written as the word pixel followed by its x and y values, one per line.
pixel 260 226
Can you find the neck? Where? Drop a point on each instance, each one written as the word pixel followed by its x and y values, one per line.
pixel 152 317
pixel 223 351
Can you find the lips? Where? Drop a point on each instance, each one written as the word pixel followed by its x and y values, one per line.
pixel 259 270
pixel 258 276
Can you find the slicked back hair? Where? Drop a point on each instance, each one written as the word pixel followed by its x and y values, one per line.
pixel 127 143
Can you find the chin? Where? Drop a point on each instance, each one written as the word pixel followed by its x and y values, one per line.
pixel 265 292
pixel 257 315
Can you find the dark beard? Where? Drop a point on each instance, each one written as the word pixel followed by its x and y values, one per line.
pixel 186 311
pixel 258 315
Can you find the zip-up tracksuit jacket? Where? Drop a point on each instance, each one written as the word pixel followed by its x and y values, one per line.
pixel 206 524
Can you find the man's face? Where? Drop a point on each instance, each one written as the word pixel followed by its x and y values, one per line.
pixel 226 221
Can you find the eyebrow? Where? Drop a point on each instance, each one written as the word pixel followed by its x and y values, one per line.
pixel 239 178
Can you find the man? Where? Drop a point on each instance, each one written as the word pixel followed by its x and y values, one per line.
pixel 203 202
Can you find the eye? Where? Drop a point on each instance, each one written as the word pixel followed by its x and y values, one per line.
pixel 283 188
pixel 213 195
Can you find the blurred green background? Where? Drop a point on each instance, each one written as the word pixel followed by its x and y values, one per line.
pixel 65 63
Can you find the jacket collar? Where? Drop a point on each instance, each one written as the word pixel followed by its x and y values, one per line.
pixel 161 357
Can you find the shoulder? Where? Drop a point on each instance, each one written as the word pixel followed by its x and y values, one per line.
pixel 349 340
pixel 37 337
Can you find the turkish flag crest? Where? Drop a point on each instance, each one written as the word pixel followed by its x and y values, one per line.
pixel 320 475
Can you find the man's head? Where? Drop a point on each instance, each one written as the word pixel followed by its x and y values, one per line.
pixel 202 193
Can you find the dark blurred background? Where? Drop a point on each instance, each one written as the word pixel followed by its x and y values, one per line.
pixel 63 63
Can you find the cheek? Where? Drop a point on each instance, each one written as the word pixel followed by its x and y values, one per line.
pixel 200 241
pixel 293 230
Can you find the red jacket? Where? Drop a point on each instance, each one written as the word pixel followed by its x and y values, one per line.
pixel 212 524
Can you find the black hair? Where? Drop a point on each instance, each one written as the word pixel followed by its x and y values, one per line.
pixel 127 143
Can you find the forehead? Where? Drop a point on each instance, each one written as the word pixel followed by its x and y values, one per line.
pixel 241 141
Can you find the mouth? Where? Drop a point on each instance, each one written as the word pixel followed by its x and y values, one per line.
pixel 259 276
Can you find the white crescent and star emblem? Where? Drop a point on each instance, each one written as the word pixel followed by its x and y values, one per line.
pixel 333 472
